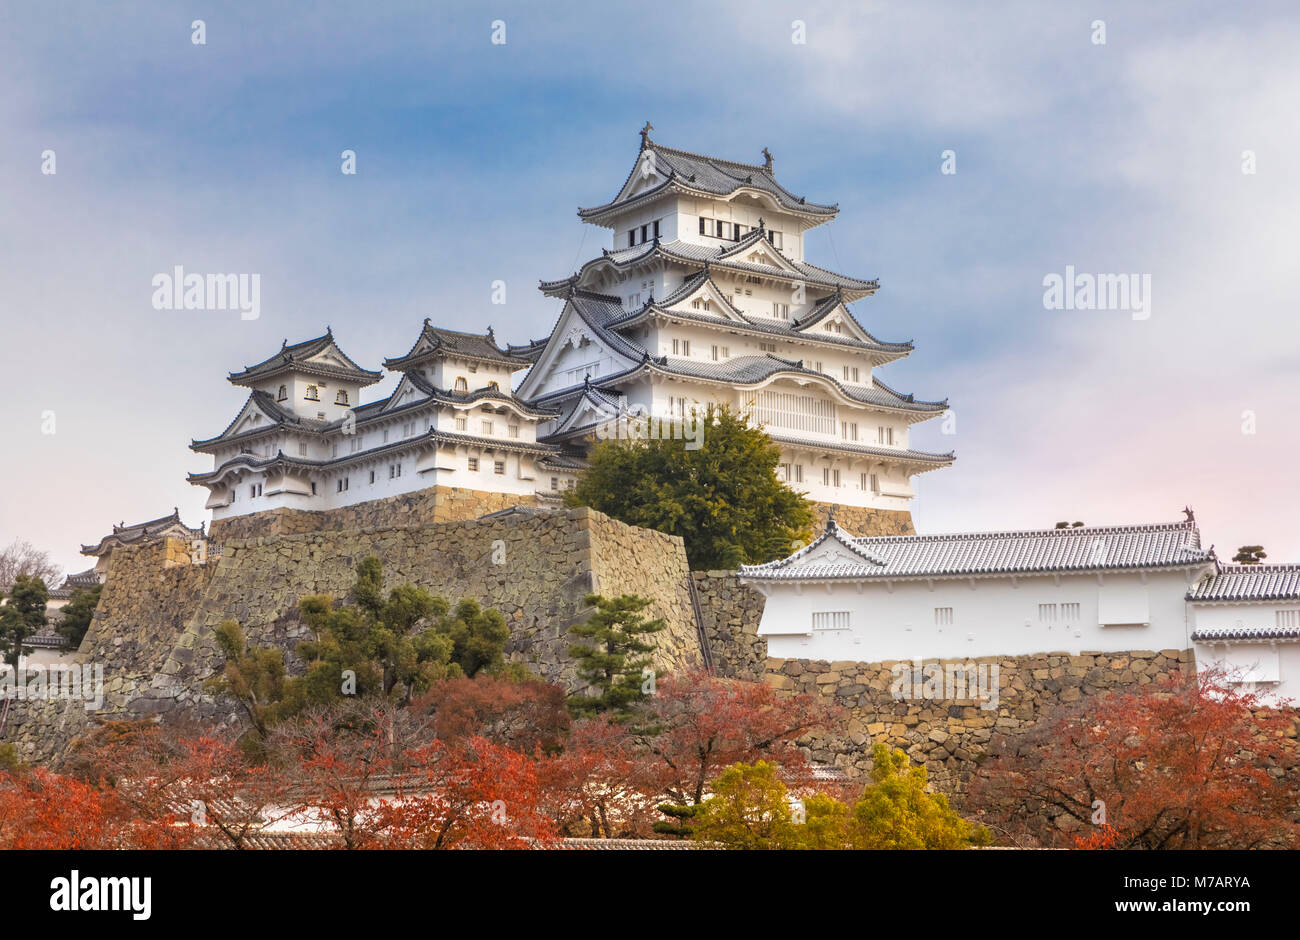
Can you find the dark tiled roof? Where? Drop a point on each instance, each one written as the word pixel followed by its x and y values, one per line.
pixel 297 356
pixel 622 845
pixel 896 454
pixel 1042 551
pixel 1228 634
pixel 792 330
pixel 748 370
pixel 140 531
pixel 690 254
pixel 699 173
pixel 81 580
pixel 1249 583
pixel 282 460
pixel 440 343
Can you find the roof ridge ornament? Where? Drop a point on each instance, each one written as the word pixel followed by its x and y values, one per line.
pixel 645 134
pixel 767 161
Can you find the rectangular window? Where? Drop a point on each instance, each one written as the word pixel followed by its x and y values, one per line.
pixel 513 429
pixel 1070 613
pixel 775 238
pixel 385 435
pixel 849 430
pixel 372 477
pixel 875 484
pixel 798 473
pixel 677 347
pixel 313 489
pixel 1047 613
pixel 817 366
pixel 943 616
pixel 719 231
pixel 656 228
pixel 686 347
pixel 645 229
pixel 780 311
pixel 487 427
pixel 703 225
pixel 631 238
pixel 555 483
pixel 499 467
pixel 714 351
pixel 767 347
pixel 830 620
pixel 473 463
pixel 461 423
pixel 884 435
pixel 302 449
pixel 830 477
pixel 1288 619
pixel 726 353
pixel 334 449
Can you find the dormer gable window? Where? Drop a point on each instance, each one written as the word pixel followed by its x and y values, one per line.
pixel 312 393
pixel 462 385
pixel 341 398
pixel 282 394
pixel 494 385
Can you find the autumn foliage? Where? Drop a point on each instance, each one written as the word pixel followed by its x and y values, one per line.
pixel 1186 763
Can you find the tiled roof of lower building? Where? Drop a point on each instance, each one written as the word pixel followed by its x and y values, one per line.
pixel 1249 583
pixel 1044 551
pixel 1223 634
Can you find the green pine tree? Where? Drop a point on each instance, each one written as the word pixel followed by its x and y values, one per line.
pixel 78 613
pixel 22 615
pixel 613 661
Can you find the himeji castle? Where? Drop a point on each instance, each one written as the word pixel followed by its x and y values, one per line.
pixel 704 296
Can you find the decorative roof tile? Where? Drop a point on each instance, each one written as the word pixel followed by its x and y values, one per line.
pixel 696 172
pixel 436 343
pixel 298 357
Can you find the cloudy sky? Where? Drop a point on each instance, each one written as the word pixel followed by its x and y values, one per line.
pixel 1122 157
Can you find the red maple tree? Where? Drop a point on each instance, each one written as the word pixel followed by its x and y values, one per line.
pixel 1186 762
pixel 695 725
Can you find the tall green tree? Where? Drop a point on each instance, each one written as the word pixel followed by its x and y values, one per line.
pixel 722 497
pixel 78 613
pixel 613 659
pixel 22 614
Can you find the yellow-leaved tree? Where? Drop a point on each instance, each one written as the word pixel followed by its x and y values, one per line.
pixel 752 809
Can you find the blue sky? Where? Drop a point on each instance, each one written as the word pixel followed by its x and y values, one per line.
pixel 472 158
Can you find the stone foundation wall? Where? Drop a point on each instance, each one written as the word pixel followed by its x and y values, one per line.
pixel 949 735
pixel 729 616
pixel 424 507
pixel 861 520
pixel 153 632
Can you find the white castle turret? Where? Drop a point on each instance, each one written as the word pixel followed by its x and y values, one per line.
pixel 703 297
